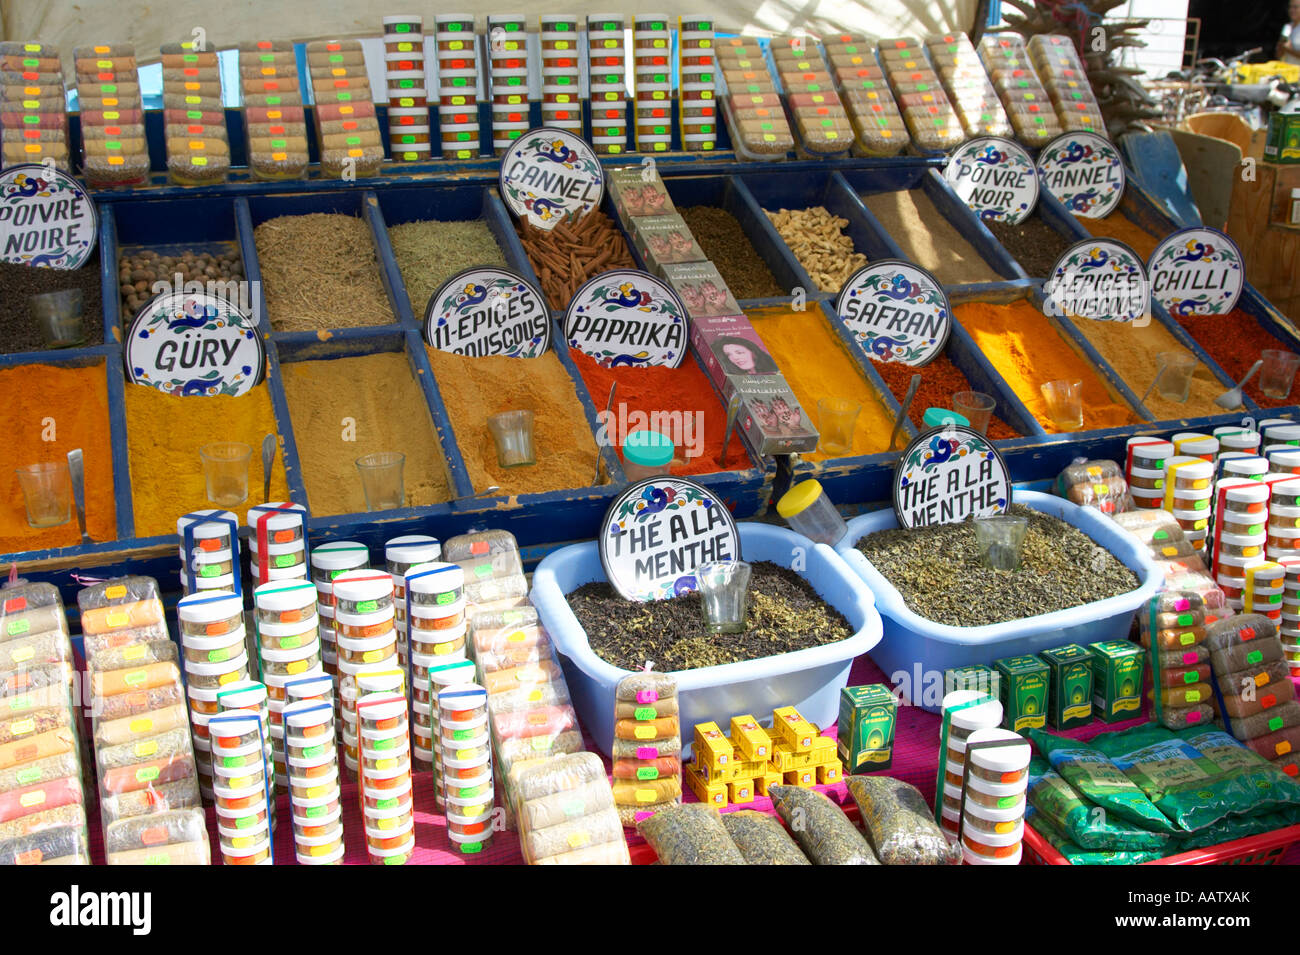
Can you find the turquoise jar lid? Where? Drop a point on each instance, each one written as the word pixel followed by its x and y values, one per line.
pixel 938 417
pixel 646 448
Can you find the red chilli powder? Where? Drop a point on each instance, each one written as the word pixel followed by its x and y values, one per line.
pixel 940 380
pixel 1235 341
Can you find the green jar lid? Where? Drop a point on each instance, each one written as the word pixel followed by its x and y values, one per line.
pixel 938 417
pixel 648 449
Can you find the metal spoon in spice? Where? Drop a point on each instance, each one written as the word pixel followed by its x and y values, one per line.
pixel 733 412
pixel 1231 398
pixel 268 462
pixel 906 407
pixel 609 409
pixel 77 472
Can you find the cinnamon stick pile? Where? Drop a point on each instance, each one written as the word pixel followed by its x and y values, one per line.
pixel 574 251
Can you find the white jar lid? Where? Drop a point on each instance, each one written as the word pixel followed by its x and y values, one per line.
pixel 1230 560
pixel 224 792
pixel 309 688
pixel 1147 493
pixel 381 709
pixel 460 726
pixel 276 630
pixel 289 656
pixel 203 585
pixel 1243 491
pixel 998 789
pixel 1148 448
pixel 279 520
pixel 975 717
pixel 279 680
pixel 209 606
pixel 1247 465
pixel 1190 466
pixel 998 839
pixel 342 619
pixel 1006 759
pixel 387 680
pixel 1151 474
pixel 401 768
pixel 434 578
pixel 375 832
pixel 297 572
pixel 242 695
pixel 358 585
pixel 340 555
pixel 1291 532
pixel 1286 486
pixel 1283 510
pixel 440 637
pixel 276 549
pixel 217 669
pixel 203 524
pixel 303 713
pixel 353 669
pixel 444 674
pixel 991 813
pixel 1195 518
pixel 1243 540
pixel 438 611
pixel 365 644
pixel 193 641
pixel 412 549
pixel 462 696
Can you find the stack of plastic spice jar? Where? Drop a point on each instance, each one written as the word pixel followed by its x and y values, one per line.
pixel 1188 492
pixel 280 532
pixel 964 712
pixel 327 562
pixel 508 59
pixel 457 85
pixel 35 103
pixel 1234 437
pixel 653 82
pixel 926 110
pixel 697 102
pixel 355 687
pixel 463 728
pixel 289 646
pixel 427 742
pixel 384 749
pixel 315 795
pixel 561 69
pixel 1283 518
pixel 1033 118
pixel 365 620
pixel 1144 470
pixel 607 81
pixel 1289 625
pixel 209 551
pixel 246 696
pixel 434 606
pixel 408 103
pixel 198 147
pixel 239 767
pixel 993 805
pixel 1240 533
pixel 400 555
pixel 1263 591
pixel 212 641
pixel 1066 82
pixel 275 126
pixel 112 116
pixel 347 124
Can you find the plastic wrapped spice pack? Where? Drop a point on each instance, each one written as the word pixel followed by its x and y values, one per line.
pixel 275 125
pixel 148 780
pixel 640 784
pixel 899 824
pixel 1258 696
pixel 347 127
pixel 33 105
pixel 751 104
pixel 929 115
pixel 114 149
pixel 194 115
pixel 42 806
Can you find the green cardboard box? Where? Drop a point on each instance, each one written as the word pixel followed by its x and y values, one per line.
pixel 1069 686
pixel 1283 142
pixel 975 677
pixel 1117 668
pixel 866 727
pixel 1023 692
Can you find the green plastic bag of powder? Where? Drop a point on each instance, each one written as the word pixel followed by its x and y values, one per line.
pixel 1076 854
pixel 1240 827
pixel 1186 784
pixel 1086 825
pixel 1268 789
pixel 1098 779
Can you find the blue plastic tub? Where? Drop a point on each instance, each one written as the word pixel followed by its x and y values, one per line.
pixel 809 679
pixel 922 649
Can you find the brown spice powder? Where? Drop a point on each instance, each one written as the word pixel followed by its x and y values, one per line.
pixel 387 405
pixel 929 239
pixel 475 388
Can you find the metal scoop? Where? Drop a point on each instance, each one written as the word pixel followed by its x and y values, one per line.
pixel 1231 398
pixel 904 409
pixel 77 472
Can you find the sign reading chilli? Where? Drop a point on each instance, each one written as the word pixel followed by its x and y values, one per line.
pixel 488 311
pixel 625 318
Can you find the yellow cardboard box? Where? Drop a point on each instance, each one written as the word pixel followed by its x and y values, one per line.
pixel 794 730
pixel 715 794
pixel 749 739
pixel 712 749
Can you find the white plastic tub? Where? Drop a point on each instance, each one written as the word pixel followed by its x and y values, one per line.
pixel 809 680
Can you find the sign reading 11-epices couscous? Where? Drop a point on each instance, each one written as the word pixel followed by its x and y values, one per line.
pixel 488 311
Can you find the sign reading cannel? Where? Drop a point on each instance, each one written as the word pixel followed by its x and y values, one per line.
pixel 1197 271
pixel 194 345
pixel 46 218
pixel 625 318
pixel 1084 171
pixel 548 174
pixel 488 311
pixel 658 531
pixel 897 310
pixel 947 475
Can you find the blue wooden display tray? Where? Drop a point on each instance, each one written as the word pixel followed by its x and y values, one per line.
pixel 172 218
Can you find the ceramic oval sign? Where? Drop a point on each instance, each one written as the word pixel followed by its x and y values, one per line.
pixel 548 174
pixel 898 311
pixel 1100 279
pixel 1084 171
pixel 46 218
pixel 488 311
pixel 1197 271
pixel 194 345
pixel 658 531
pixel 948 474
pixel 995 178
pixel 625 318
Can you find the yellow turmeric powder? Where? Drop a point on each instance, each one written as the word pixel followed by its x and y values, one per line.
pixel 817 365
pixel 164 433
pixel 50 410
pixel 1027 351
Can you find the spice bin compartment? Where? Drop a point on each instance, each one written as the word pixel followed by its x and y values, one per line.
pixel 968 225
pixel 400 205
pixel 809 679
pixel 911 641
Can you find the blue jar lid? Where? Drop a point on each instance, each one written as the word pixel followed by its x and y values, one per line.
pixel 646 448
pixel 938 417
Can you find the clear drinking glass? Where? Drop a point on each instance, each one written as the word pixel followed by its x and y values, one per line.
pixel 225 470
pixel 58 317
pixel 47 493
pixel 836 419
pixel 1064 404
pixel 513 433
pixel 1278 373
pixel 724 595
pixel 381 480
pixel 1174 379
pixel 1000 538
pixel 976 407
